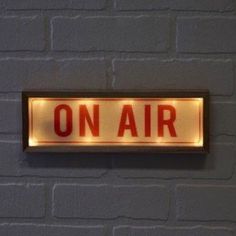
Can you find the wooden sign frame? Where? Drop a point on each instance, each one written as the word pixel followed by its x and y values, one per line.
pixel 116 94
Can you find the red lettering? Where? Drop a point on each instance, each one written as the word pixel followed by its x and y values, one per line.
pixel 57 120
pixel 147 121
pixel 84 116
pixel 127 115
pixel 168 122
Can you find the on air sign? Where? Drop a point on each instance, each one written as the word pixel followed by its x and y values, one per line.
pixel 119 121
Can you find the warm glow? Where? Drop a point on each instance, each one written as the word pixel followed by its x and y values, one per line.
pixel 151 122
pixel 127 102
pixel 33 142
pixel 87 102
pixel 159 140
pixel 88 139
pixel 199 141
pixel 42 102
pixel 39 102
pixel 199 99
pixel 174 102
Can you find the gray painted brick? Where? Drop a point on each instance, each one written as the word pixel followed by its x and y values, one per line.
pixel 218 164
pixel 223 118
pixel 32 73
pixel 10 119
pixel 54 4
pixel 14 162
pixel 13 229
pixel 108 35
pixel 82 73
pixel 22 33
pixel 206 34
pixel 104 201
pixel 142 4
pixel 215 75
pixel 184 5
pixel 203 5
pixel 206 202
pixel 105 33
pixel 170 231
pixel 22 200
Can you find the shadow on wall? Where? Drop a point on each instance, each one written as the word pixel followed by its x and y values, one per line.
pixel 109 161
pixel 161 161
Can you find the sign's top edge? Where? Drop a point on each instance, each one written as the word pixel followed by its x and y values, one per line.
pixel 118 93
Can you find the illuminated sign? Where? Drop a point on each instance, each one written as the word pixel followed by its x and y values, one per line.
pixel 84 122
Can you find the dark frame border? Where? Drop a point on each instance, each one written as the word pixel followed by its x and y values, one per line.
pixel 126 94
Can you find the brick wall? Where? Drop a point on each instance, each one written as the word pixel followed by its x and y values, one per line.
pixel 119 44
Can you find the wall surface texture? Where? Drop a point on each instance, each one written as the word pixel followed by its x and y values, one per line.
pixel 119 44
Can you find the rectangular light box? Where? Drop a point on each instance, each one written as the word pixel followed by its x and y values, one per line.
pixel 163 121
